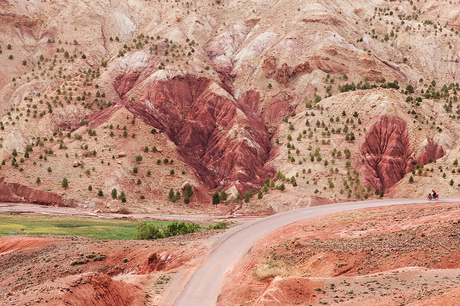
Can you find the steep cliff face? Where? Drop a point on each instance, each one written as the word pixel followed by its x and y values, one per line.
pixel 223 140
pixel 386 152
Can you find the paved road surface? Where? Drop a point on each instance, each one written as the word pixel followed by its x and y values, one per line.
pixel 205 285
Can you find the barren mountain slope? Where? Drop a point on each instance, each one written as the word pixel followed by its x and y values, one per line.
pixel 218 78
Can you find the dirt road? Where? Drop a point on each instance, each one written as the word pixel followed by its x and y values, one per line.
pixel 27 208
pixel 205 285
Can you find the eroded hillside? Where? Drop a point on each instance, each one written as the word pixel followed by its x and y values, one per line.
pixel 332 100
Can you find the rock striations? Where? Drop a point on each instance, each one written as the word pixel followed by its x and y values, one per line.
pixel 223 140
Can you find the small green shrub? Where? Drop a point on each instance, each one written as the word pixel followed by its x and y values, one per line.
pixel 99 257
pixel 81 261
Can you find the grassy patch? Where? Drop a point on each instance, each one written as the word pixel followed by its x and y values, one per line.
pixel 71 226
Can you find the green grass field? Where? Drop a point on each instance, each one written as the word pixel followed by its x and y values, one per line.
pixel 67 225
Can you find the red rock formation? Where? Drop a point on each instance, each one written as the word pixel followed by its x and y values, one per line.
pixel 302 68
pixel 431 151
pixel 329 65
pixel 327 19
pixel 269 66
pixel 386 152
pixel 226 77
pixel 13 192
pixel 223 142
pixel 284 73
pixel 6 194
pixel 123 83
pixel 277 108
pixel 249 103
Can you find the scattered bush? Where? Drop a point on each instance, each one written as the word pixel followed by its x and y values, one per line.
pixel 122 197
pixel 114 193
pixel 218 225
pixel 147 230
pixel 215 198
pixel 81 261
pixel 65 183
pixel 223 196
pixel 124 210
pixel 99 257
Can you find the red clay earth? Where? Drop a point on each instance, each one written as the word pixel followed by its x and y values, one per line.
pixel 387 256
pixel 60 270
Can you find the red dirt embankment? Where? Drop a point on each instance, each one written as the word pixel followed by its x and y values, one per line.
pixel 13 192
pixel 60 270
pixel 99 289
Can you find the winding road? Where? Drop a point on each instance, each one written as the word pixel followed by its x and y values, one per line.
pixel 204 286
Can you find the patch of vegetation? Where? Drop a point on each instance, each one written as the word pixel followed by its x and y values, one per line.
pixel 72 226
pixel 81 261
pixel 218 225
pixel 99 257
pixel 150 231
